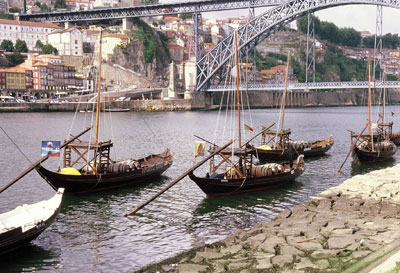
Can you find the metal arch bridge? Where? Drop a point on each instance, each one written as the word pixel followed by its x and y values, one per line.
pixel 213 63
pixel 148 10
pixel 306 86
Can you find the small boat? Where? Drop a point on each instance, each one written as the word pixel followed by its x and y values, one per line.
pixel 233 171
pixel 376 145
pixel 87 166
pixel 281 149
pixel 277 145
pixel 24 223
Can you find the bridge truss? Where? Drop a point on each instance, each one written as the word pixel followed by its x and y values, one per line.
pixel 147 10
pixel 213 63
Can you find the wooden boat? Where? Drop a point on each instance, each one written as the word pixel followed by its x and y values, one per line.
pixel 376 145
pixel 281 149
pixel 277 145
pixel 256 178
pixel 235 172
pixel 107 175
pixel 23 224
pixel 97 170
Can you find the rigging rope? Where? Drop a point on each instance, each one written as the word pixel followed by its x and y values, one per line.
pixel 15 144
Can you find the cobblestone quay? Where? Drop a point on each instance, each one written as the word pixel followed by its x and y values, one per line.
pixel 345 229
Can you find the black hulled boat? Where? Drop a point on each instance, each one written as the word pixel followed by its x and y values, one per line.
pixel 97 171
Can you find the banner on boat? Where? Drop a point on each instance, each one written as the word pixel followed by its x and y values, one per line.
pixel 51 148
pixel 199 148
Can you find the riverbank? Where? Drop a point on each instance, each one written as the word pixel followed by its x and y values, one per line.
pixel 348 228
pixel 207 101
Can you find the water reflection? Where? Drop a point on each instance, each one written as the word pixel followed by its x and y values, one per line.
pixel 362 168
pixel 31 258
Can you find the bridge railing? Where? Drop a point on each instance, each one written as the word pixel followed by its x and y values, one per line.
pixel 307 86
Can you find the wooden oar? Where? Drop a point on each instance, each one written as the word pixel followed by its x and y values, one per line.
pixel 44 158
pixel 178 179
pixel 352 147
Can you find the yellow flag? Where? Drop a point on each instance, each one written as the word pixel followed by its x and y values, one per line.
pixel 199 148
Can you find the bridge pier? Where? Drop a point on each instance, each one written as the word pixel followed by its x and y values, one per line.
pixel 126 24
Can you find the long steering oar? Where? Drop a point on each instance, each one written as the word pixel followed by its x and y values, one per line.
pixel 44 158
pixel 178 179
pixel 352 147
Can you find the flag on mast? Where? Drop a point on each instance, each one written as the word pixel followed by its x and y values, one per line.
pixel 199 148
pixel 247 127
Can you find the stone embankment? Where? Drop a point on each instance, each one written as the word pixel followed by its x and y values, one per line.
pixel 345 229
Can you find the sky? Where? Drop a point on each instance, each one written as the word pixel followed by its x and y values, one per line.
pixel 359 17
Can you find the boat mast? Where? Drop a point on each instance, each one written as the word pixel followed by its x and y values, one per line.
pixel 237 88
pixel 98 92
pixel 369 105
pixel 369 97
pixel 384 96
pixel 285 91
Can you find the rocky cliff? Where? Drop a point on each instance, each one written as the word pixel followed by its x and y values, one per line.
pixel 142 39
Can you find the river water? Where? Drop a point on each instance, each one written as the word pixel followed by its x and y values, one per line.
pixel 90 235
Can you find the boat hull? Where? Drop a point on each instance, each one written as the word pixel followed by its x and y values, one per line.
pixel 221 186
pixel 12 239
pixel 365 156
pixel 279 154
pixel 82 184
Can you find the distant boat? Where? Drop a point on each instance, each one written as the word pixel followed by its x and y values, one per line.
pixel 376 145
pixel 23 224
pixel 277 145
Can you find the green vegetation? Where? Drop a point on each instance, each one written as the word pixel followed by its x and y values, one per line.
pixel 44 7
pixel 330 32
pixel 39 45
pixel 6 16
pixel 49 49
pixel 7 45
pixel 345 36
pixel 388 41
pixel 185 16
pixel 149 2
pixel 20 46
pixel 60 4
pixel 335 65
pixel 145 34
pixel 14 59
pixel 268 61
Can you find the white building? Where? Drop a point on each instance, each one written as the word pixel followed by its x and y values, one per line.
pixel 67 41
pixel 110 41
pixel 30 32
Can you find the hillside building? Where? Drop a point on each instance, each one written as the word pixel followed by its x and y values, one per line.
pixel 30 32
pixel 67 41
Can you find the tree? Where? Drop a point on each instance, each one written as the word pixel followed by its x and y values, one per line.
pixel 6 16
pixel 37 3
pixel 7 45
pixel 60 4
pixel 44 7
pixel 15 59
pixel 149 2
pixel 39 45
pixel 185 16
pixel 49 49
pixel 20 46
